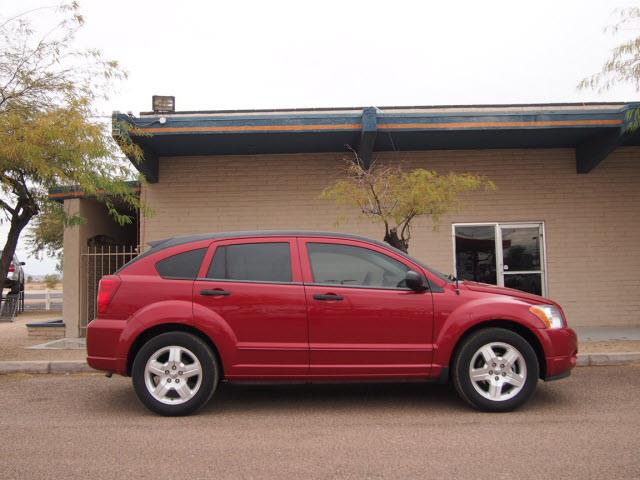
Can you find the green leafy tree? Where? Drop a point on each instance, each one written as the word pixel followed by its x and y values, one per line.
pixel 623 64
pixel 51 280
pixel 395 197
pixel 49 132
pixel 45 235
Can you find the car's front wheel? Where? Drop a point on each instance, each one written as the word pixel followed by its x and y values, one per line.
pixel 175 373
pixel 495 370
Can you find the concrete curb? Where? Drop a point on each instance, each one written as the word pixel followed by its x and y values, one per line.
pixel 603 359
pixel 45 366
pixel 80 366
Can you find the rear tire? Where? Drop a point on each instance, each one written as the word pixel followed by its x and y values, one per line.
pixel 495 370
pixel 175 374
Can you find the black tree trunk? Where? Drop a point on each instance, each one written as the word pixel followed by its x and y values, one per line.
pixel 392 238
pixel 20 218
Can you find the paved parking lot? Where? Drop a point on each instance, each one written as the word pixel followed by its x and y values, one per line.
pixel 88 426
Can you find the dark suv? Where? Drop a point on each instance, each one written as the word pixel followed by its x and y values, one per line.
pixel 15 275
pixel 310 306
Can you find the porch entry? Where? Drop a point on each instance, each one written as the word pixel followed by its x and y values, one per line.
pixel 504 254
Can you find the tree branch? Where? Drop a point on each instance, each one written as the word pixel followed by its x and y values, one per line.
pixel 7 207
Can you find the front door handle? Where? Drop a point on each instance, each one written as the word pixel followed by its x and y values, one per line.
pixel 329 296
pixel 215 293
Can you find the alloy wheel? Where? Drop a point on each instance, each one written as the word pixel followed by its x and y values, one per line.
pixel 498 371
pixel 173 375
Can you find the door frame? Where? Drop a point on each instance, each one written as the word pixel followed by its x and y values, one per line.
pixel 498 226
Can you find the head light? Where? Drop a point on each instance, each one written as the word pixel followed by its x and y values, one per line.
pixel 550 315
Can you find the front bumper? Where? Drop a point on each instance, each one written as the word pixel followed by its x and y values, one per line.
pixel 561 353
pixel 103 342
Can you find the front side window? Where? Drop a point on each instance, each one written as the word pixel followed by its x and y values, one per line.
pixel 333 263
pixel 258 262
pixel 183 265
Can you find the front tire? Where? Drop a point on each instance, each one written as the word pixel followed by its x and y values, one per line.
pixel 175 374
pixel 495 370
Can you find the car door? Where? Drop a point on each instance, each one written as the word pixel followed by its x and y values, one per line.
pixel 363 322
pixel 255 287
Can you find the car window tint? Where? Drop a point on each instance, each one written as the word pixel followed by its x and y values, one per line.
pixel 260 262
pixel 348 265
pixel 183 265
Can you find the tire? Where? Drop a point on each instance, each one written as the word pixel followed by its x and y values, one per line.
pixel 182 391
pixel 15 288
pixel 512 361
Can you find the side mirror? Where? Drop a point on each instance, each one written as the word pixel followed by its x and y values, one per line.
pixel 22 264
pixel 415 281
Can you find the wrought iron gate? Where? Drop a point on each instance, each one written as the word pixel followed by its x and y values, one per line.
pixel 95 263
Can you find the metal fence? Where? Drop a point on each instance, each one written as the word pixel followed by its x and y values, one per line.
pixel 48 300
pixel 11 304
pixel 95 263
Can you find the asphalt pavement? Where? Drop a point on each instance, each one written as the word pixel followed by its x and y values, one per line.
pixel 91 427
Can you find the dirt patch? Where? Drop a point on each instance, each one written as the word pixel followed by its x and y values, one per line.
pixel 14 340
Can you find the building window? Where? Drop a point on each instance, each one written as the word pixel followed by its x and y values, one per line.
pixel 509 255
pixel 256 262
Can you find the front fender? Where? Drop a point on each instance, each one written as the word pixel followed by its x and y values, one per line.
pixel 478 311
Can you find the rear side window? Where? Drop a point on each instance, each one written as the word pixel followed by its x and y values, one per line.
pixel 183 265
pixel 258 262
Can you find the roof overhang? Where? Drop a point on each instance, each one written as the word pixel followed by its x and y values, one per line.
pixel 594 130
pixel 60 194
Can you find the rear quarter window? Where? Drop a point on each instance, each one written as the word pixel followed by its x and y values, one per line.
pixel 183 266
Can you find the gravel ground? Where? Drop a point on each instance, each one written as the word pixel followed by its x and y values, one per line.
pixel 91 427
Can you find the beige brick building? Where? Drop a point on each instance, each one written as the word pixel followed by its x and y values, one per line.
pixel 564 220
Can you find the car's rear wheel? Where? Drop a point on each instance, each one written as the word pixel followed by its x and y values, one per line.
pixel 495 370
pixel 175 373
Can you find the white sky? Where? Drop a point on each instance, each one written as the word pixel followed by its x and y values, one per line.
pixel 281 54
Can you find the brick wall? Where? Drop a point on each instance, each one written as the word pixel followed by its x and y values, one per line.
pixel 592 221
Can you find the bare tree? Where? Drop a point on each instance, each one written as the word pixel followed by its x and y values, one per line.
pixel 395 197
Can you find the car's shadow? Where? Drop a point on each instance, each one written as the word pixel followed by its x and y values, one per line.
pixel 289 399
pixel 331 397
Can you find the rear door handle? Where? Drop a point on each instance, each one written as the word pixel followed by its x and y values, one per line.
pixel 215 293
pixel 329 296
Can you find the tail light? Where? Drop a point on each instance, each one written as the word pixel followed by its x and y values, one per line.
pixel 12 267
pixel 107 288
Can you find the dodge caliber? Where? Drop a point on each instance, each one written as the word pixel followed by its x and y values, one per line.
pixel 193 311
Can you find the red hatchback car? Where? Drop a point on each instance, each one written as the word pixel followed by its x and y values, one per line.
pixel 310 306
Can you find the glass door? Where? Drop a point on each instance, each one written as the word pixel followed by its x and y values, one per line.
pixel 508 255
pixel 475 247
pixel 521 265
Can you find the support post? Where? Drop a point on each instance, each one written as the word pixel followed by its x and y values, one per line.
pixel 368 136
pixel 591 152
